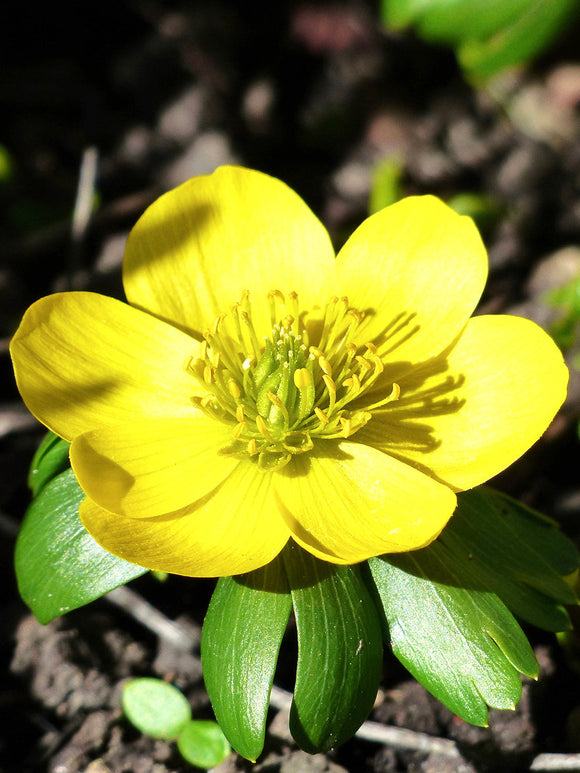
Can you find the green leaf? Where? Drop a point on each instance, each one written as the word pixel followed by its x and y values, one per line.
pixel 520 41
pixel 59 566
pixel 156 708
pixel 50 459
pixel 461 643
pixel 503 546
pixel 241 638
pixel 489 35
pixel 339 650
pixel 385 184
pixel 202 743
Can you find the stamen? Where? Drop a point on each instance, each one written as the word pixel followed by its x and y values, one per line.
pixel 321 415
pixel 364 363
pixel 234 389
pixel 262 428
pixel 275 400
pixel 247 321
pixel 302 379
pixel 325 365
pixel 395 394
pixel 331 387
pixel 346 426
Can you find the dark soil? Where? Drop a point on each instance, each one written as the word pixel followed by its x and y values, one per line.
pixel 316 94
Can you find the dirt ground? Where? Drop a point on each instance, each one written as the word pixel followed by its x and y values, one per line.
pixel 316 94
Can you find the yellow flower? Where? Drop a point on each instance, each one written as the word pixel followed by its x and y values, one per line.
pixel 258 388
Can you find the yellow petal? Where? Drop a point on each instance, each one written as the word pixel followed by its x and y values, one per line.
pixel 417 269
pixel 469 417
pixel 351 502
pixel 152 467
pixel 235 529
pixel 198 247
pixel 84 361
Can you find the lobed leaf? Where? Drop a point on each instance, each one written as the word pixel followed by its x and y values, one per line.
pixel 461 643
pixel 505 547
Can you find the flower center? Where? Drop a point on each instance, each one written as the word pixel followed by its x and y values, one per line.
pixel 282 393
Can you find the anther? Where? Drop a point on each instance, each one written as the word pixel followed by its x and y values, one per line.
pixel 364 363
pixel 240 416
pixel 262 428
pixel 330 385
pixel 238 429
pixel 234 389
pixel 302 379
pixel 346 426
pixel 252 447
pixel 208 374
pixel 325 365
pixel 275 400
pixel 321 415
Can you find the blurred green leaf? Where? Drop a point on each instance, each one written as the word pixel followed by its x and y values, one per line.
pixel 339 650
pixel 241 638
pixel 385 184
pixel 156 708
pixel 6 166
pixel 484 210
pixel 59 566
pixel 202 743
pixel 50 459
pixel 566 299
pixel 489 35
pixel 520 41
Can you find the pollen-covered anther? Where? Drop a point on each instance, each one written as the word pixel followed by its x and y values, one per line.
pixel 240 416
pixel 252 447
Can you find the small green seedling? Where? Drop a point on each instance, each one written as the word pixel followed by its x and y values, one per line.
pixel 159 710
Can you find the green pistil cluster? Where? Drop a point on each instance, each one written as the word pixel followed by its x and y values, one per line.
pixel 283 392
